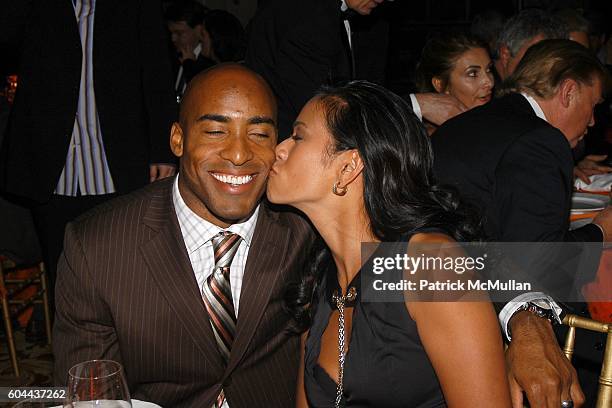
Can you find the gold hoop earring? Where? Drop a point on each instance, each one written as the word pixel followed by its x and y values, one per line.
pixel 339 191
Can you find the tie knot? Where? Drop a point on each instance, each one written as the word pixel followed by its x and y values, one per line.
pixel 225 245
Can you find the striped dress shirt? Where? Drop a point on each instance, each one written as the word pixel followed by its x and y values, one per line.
pixel 197 234
pixel 86 171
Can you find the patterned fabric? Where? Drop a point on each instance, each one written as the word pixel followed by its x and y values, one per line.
pixel 217 297
pixel 132 255
pixel 198 237
pixel 197 234
pixel 86 171
pixel 217 293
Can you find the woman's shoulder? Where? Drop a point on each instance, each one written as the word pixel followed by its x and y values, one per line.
pixel 432 238
pixel 429 235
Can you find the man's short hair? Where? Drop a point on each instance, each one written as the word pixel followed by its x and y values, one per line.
pixel 550 62
pixel 573 20
pixel 528 24
pixel 188 11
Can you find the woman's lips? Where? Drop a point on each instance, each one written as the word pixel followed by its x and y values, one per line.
pixel 485 98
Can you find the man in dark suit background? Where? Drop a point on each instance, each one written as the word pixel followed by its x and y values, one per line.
pixel 133 282
pixel 92 111
pixel 512 158
pixel 520 32
pixel 298 46
pixel 185 21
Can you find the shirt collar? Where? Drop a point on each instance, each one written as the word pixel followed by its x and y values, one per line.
pixel 197 231
pixel 535 106
pixel 344 6
pixel 197 50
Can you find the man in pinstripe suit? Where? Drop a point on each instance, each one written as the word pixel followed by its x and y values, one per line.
pixel 131 280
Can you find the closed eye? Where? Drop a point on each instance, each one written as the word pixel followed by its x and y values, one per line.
pixel 262 135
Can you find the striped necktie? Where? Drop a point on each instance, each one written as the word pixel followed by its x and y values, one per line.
pixel 217 296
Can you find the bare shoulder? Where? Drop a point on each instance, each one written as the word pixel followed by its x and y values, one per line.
pixel 432 238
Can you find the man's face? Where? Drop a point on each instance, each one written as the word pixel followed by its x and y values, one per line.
pixel 225 141
pixel 363 7
pixel 580 37
pixel 577 117
pixel 507 62
pixel 183 36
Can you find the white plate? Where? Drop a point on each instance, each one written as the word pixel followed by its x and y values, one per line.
pixel 585 202
pixel 143 404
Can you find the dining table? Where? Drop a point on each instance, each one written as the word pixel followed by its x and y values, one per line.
pixel 589 200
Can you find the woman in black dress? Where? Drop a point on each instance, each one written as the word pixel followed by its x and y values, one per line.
pixel 358 164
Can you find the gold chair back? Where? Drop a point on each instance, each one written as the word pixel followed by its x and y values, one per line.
pixel 604 394
pixel 11 285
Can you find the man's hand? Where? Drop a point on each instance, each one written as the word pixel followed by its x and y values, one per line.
pixel 536 365
pixel 438 108
pixel 160 171
pixel 590 166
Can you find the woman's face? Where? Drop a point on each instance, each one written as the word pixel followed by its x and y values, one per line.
pixel 303 173
pixel 471 80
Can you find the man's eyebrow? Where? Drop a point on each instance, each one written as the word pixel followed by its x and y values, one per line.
pixel 213 117
pixel 257 120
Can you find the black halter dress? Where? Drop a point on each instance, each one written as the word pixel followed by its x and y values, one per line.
pixel 386 364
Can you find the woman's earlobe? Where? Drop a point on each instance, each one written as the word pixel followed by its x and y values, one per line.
pixel 339 191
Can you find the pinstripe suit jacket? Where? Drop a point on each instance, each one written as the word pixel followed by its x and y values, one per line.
pixel 126 291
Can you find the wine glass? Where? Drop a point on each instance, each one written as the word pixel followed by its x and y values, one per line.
pixel 98 383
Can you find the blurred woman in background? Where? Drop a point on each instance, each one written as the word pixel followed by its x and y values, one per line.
pixel 457 65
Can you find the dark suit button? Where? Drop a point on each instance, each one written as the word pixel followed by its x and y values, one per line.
pixel 227 382
pixel 599 346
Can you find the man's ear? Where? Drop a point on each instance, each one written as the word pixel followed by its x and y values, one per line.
pixel 568 92
pixel 350 169
pixel 437 84
pixel 176 139
pixel 504 56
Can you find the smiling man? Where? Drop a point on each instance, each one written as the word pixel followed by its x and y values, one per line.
pixel 182 282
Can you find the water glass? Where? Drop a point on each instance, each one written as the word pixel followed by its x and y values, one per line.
pixel 99 383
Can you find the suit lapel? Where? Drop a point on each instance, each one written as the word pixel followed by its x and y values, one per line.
pixel 169 264
pixel 265 262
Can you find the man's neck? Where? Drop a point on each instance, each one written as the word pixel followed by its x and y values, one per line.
pixel 548 107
